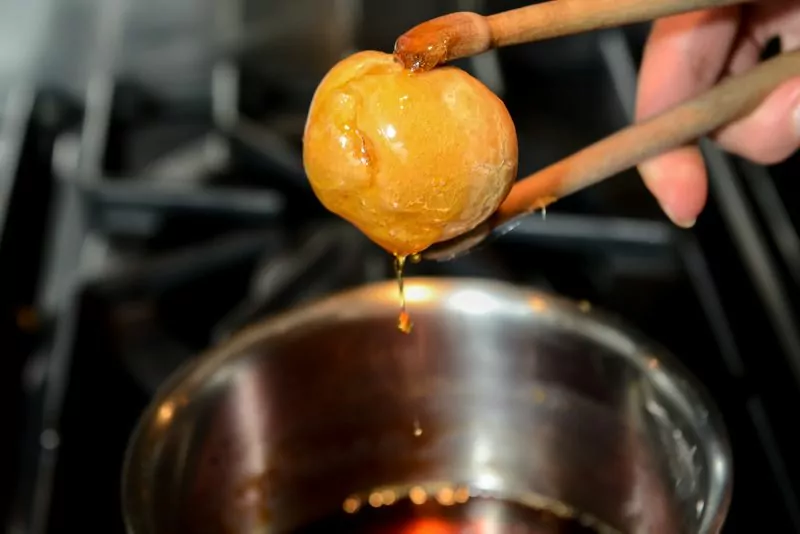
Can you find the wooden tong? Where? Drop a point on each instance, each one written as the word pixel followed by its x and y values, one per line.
pixel 732 99
pixel 464 34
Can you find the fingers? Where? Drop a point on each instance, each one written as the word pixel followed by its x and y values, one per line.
pixel 772 132
pixel 776 18
pixel 684 56
pixel 678 181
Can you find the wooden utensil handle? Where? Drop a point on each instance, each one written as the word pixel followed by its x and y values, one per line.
pixel 466 34
pixel 567 17
pixel 685 123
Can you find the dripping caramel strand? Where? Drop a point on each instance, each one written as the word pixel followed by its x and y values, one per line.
pixel 404 323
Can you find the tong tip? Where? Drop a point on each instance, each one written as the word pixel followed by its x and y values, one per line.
pixel 442 39
pixel 459 245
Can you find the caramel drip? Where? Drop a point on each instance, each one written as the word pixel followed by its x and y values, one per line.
pixel 404 323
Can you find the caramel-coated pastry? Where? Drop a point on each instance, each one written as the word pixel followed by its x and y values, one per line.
pixel 409 158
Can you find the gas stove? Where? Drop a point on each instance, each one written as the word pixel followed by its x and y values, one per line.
pixel 174 225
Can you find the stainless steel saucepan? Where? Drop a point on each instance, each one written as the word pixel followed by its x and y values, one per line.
pixel 501 390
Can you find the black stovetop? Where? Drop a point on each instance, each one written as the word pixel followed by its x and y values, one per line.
pixel 148 266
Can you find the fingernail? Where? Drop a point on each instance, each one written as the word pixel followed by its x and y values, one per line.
pixel 683 223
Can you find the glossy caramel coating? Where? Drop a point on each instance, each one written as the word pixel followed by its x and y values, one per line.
pixel 409 158
pixel 443 39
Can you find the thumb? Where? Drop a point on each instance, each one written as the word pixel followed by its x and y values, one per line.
pixel 772 132
pixel 678 181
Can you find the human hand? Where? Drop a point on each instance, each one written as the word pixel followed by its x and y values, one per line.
pixel 688 54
